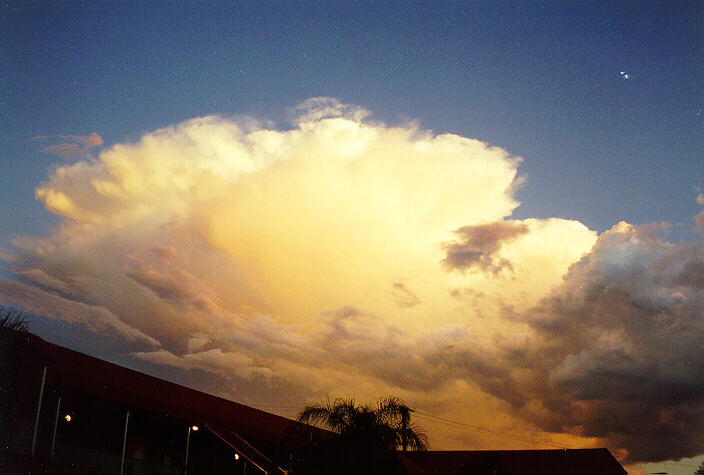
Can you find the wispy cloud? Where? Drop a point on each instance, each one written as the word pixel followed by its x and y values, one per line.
pixel 71 145
pixel 318 108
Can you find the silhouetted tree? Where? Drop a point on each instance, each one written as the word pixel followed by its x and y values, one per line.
pixel 367 437
pixel 394 413
pixel 388 425
pixel 12 319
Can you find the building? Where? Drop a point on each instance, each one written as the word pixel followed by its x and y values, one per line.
pixel 518 462
pixel 63 412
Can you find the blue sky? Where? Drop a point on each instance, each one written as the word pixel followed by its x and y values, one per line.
pixel 540 79
pixel 602 100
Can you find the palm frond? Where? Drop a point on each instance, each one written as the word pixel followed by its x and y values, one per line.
pixel 387 425
pixel 13 319
pixel 416 438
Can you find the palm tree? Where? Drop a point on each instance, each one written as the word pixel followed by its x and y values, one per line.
pixel 396 414
pixel 367 437
pixel 388 425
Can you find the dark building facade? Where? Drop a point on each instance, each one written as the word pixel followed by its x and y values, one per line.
pixel 63 412
pixel 518 462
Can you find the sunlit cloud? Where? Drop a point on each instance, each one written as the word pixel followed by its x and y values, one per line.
pixel 346 256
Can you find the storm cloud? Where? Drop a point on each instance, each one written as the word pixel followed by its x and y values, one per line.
pixel 615 350
pixel 339 255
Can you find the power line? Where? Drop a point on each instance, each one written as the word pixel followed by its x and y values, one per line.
pixel 504 435
pixel 451 423
pixel 492 432
pixel 693 464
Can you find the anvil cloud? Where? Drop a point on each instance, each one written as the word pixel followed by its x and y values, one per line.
pixel 347 256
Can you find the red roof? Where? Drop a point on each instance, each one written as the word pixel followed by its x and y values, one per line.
pixel 73 371
pixel 523 462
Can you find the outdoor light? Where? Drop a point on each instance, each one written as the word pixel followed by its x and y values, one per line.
pixel 237 456
pixel 67 417
pixel 188 443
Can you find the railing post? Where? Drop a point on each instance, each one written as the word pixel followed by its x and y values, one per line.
pixel 188 441
pixel 39 408
pixel 56 425
pixel 124 443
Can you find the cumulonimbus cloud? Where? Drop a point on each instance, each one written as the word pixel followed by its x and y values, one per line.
pixel 343 255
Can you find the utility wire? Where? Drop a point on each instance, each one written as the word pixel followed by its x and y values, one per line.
pixel 497 434
pixel 693 464
pixel 491 432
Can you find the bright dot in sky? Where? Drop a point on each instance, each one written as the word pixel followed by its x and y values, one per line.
pixel 624 75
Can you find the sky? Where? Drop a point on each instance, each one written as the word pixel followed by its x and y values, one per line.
pixel 491 209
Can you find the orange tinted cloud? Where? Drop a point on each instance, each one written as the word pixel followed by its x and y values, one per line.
pixel 323 258
pixel 73 145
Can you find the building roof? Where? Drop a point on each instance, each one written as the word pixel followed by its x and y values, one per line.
pixel 73 371
pixel 523 462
